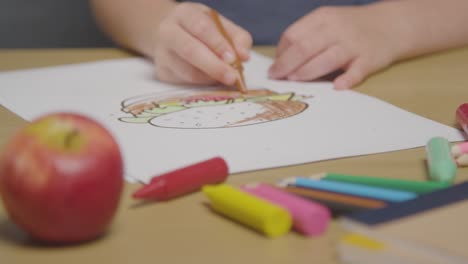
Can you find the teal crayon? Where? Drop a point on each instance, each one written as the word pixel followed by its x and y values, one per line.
pixel 441 165
pixel 419 187
pixel 352 189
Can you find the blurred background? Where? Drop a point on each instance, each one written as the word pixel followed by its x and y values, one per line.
pixel 49 24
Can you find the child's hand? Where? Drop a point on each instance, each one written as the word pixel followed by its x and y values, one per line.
pixel 356 40
pixel 190 49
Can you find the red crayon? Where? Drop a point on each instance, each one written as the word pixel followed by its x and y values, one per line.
pixel 462 116
pixel 184 180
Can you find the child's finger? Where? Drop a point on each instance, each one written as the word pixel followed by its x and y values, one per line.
pixel 356 72
pixel 296 55
pixel 305 26
pixel 201 26
pixel 330 60
pixel 164 74
pixel 290 36
pixel 201 57
pixel 186 73
pixel 241 38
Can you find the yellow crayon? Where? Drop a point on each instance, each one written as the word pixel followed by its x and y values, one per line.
pixel 259 214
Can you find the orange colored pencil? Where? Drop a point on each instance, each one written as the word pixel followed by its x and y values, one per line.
pixel 336 197
pixel 240 82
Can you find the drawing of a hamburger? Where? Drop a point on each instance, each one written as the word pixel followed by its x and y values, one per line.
pixel 212 109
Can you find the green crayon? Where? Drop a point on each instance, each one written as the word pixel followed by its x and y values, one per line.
pixel 418 187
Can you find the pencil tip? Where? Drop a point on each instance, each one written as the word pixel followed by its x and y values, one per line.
pixel 149 191
pixel 318 176
pixel 286 182
pixel 139 194
pixel 241 84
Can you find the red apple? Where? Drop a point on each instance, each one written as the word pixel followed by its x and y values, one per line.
pixel 61 178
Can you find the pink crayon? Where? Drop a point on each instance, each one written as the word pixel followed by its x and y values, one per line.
pixel 309 218
pixel 462 161
pixel 460 149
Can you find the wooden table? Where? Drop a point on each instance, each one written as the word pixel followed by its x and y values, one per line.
pixel 186 231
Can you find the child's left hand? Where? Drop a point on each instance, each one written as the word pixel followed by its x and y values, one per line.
pixel 358 40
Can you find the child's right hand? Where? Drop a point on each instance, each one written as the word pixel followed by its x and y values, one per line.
pixel 189 49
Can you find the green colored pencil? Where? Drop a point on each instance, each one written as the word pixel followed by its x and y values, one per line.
pixel 419 187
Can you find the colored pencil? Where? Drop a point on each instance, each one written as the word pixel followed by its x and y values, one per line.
pixel 338 198
pixel 352 189
pixel 240 82
pixel 418 187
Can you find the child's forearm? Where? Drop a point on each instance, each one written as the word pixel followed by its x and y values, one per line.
pixel 132 24
pixel 425 26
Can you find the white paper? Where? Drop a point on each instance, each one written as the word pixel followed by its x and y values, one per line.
pixel 319 123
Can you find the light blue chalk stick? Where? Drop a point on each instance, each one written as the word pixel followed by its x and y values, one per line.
pixel 356 189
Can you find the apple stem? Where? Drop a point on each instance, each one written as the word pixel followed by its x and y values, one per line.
pixel 69 137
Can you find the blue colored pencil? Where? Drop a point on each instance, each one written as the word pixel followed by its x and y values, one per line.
pixel 352 188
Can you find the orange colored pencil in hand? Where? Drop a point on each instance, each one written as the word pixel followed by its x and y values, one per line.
pixel 240 82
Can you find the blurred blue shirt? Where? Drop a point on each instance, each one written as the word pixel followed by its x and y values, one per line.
pixel 267 19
